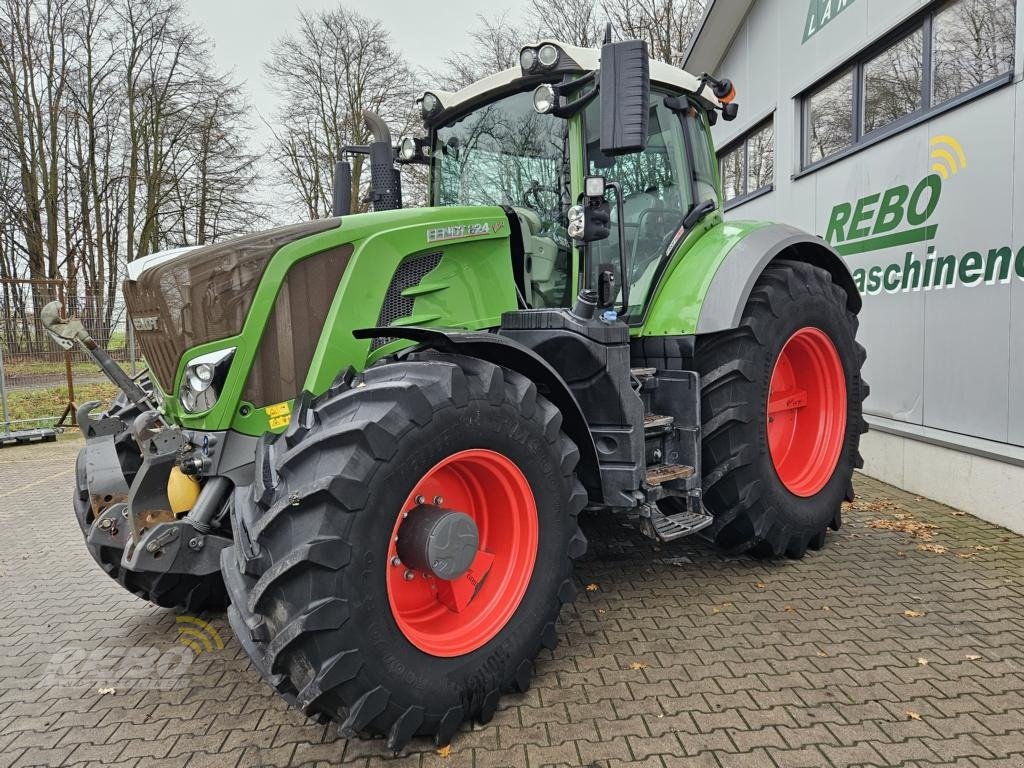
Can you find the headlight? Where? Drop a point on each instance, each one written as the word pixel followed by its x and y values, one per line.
pixel 577 222
pixel 544 98
pixel 203 379
pixel 547 56
pixel 527 59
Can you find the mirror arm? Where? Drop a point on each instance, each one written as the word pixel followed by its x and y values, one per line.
pixel 569 109
pixel 621 223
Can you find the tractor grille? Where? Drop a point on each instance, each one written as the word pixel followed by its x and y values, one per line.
pixel 409 274
pixel 294 327
pixel 202 296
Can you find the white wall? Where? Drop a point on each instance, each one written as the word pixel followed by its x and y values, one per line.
pixel 949 363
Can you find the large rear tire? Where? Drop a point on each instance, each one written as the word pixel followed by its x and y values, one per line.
pixel 781 403
pixel 347 630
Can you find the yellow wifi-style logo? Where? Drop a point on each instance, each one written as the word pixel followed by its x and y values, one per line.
pixel 948 155
pixel 199 635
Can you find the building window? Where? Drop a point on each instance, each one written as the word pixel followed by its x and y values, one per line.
pixel 972 43
pixel 830 118
pixel 748 164
pixel 948 51
pixel 892 82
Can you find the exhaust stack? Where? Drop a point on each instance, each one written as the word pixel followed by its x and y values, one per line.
pixel 385 179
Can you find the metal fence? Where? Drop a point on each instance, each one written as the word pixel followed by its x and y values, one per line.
pixel 40 383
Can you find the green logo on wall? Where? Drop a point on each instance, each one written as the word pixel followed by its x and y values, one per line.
pixel 902 216
pixel 821 13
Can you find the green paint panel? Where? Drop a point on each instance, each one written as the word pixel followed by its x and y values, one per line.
pixel 470 288
pixel 675 306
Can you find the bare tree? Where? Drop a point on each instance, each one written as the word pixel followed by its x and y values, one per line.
pixel 337 64
pixel 217 174
pixel 668 26
pixel 495 44
pixel 577 22
pixel 33 66
pixel 116 139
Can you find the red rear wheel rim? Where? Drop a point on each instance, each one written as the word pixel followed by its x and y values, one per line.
pixel 452 618
pixel 807 412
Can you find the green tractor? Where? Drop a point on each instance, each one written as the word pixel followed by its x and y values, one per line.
pixel 373 434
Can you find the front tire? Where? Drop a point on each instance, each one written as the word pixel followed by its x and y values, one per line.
pixel 781 400
pixel 320 599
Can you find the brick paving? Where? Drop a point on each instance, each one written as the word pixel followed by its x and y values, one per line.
pixel 874 651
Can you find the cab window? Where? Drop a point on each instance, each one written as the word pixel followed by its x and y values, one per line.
pixel 657 192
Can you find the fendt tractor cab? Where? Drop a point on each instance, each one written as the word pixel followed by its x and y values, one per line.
pixel 373 434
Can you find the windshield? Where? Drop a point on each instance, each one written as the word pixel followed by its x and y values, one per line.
pixel 506 154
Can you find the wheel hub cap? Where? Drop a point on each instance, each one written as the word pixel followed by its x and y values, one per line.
pixel 438 541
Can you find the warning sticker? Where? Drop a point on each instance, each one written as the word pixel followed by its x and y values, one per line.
pixel 279 415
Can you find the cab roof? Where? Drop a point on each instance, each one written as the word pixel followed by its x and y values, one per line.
pixel 572 59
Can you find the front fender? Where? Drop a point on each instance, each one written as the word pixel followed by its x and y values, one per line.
pixel 510 354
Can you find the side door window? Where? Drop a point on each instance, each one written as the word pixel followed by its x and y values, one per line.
pixel 657 192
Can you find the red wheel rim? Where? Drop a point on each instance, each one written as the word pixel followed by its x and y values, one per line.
pixel 452 618
pixel 807 412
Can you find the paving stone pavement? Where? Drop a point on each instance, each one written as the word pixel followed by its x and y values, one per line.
pixel 882 649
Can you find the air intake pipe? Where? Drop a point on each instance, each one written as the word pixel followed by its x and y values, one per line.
pixel 342 188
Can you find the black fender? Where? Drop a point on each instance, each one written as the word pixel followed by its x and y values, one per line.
pixel 523 360
pixel 735 277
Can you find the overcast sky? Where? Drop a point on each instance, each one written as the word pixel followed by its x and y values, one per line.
pixel 244 30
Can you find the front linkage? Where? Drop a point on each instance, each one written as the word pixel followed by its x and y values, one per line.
pixel 149 525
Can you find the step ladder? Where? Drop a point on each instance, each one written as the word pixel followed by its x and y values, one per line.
pixel 656 525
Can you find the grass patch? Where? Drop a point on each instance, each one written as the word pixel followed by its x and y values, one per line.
pixel 44 367
pixel 49 403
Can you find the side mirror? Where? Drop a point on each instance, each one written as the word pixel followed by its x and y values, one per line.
pixel 625 97
pixel 590 218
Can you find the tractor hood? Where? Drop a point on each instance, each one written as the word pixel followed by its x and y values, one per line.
pixel 277 310
pixel 185 297
pixel 141 264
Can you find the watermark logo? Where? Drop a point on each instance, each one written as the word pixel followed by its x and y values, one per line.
pixel 900 215
pixel 137 667
pixel 199 635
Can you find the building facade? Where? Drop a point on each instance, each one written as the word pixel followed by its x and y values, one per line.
pixel 894 129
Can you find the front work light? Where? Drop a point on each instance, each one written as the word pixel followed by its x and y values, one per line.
pixel 577 222
pixel 203 379
pixel 407 149
pixel 593 186
pixel 547 55
pixel 527 59
pixel 544 98
pixel 429 104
